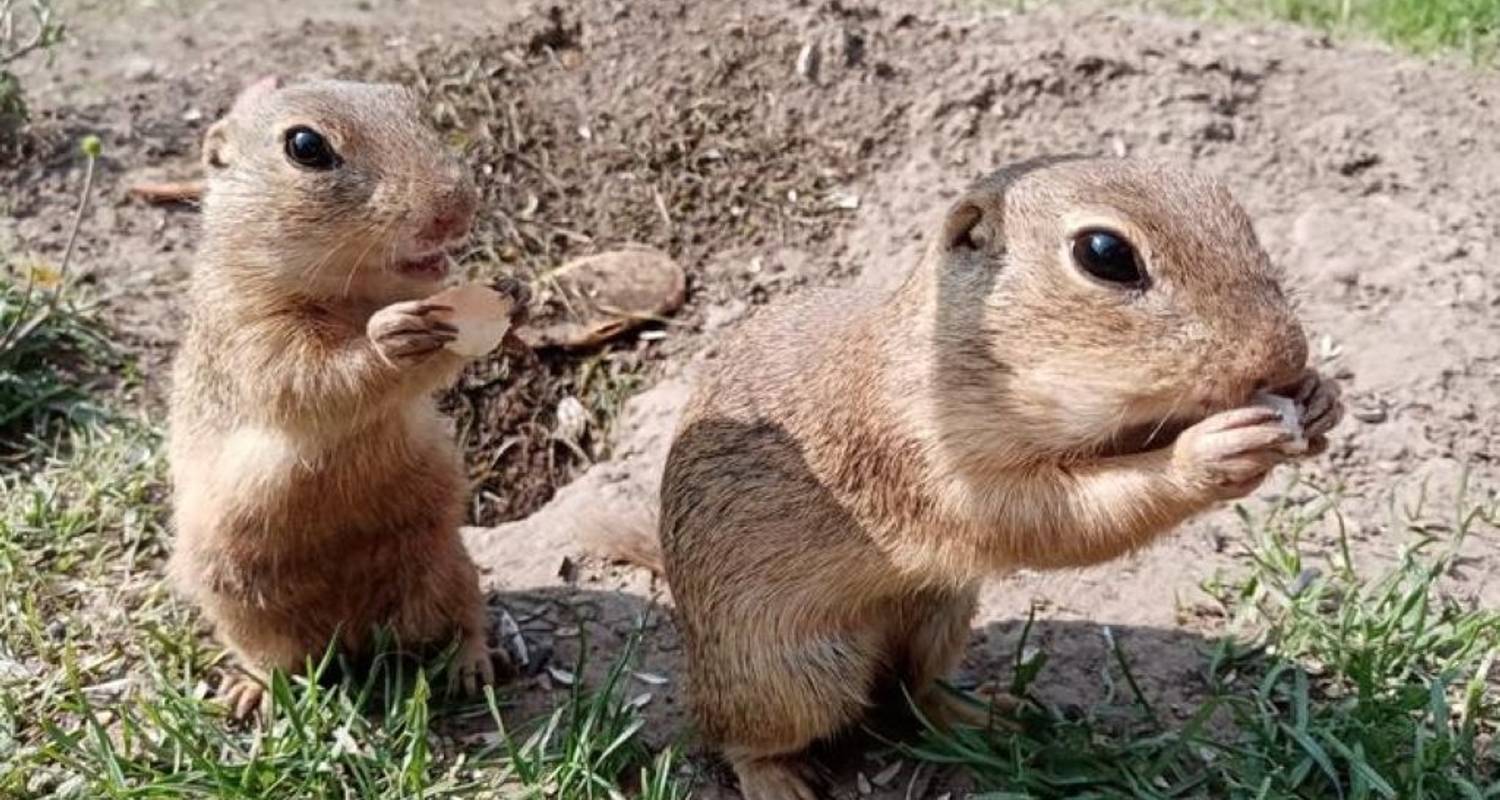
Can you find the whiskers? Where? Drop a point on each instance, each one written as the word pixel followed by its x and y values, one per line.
pixel 311 273
pixel 1167 417
pixel 376 236
pixel 375 233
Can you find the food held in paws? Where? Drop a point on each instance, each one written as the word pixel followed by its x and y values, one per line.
pixel 481 315
pixel 1291 419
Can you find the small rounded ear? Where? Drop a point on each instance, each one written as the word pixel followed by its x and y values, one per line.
pixel 260 86
pixel 965 227
pixel 216 148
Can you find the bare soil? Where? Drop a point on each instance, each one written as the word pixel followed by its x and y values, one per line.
pixel 1372 176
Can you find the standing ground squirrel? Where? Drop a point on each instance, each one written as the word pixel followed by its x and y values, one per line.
pixel 317 490
pixel 1067 375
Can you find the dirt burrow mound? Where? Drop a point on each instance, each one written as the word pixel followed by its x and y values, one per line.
pixel 659 124
pixel 690 129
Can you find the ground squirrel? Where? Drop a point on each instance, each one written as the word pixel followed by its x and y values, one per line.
pixel 317 492
pixel 1067 375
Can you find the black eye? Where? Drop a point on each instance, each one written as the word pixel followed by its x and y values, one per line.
pixel 306 147
pixel 1106 255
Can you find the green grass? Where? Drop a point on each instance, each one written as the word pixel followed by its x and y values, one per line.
pixel 589 745
pixel 1333 685
pixel 1468 27
pixel 49 368
pixel 106 680
pixel 52 348
pixel 1471 27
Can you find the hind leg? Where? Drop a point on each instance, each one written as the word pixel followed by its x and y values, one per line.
pixel 445 603
pixel 939 630
pixel 773 778
pixel 259 645
pixel 765 700
pixel 474 665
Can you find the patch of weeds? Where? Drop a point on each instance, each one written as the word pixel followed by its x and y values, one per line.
pixel 52 346
pixel 384 734
pixel 23 31
pixel 1471 27
pixel 1333 686
pixel 122 706
pixel 48 372
pixel 371 737
pixel 590 745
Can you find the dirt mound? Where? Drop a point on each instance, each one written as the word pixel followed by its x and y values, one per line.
pixel 700 134
pixel 583 138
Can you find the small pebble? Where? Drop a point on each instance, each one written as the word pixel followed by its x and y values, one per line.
pixel 808 62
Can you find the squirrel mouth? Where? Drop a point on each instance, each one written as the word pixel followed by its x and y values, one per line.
pixel 429 266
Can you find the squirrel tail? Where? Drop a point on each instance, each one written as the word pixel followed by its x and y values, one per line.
pixel 623 534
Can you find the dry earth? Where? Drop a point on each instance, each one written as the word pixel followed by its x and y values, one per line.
pixel 1372 176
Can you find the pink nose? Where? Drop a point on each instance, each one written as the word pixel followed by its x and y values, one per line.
pixel 446 226
pixel 453 212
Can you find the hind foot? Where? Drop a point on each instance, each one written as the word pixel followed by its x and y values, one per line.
pixel 473 667
pixel 947 707
pixel 244 694
pixel 773 779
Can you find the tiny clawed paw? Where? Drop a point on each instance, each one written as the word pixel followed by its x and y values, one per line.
pixel 472 672
pixel 1230 453
pixel 244 695
pixel 519 294
pixel 409 330
pixel 1322 404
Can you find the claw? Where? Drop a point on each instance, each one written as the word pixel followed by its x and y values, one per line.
pixel 243 694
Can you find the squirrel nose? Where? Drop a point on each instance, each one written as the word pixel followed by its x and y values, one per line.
pixel 1281 359
pixel 454 216
pixel 446 226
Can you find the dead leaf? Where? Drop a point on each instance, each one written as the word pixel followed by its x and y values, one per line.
pixel 167 192
pixel 605 295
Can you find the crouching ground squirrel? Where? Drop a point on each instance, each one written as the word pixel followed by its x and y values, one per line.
pixel 317 491
pixel 1069 373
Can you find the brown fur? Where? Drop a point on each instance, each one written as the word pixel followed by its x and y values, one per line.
pixel 317 490
pixel 841 485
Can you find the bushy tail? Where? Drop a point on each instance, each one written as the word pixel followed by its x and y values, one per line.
pixel 623 533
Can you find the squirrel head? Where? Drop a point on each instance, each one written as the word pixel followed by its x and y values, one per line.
pixel 1100 306
pixel 336 188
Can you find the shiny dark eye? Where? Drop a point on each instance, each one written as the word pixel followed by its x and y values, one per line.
pixel 307 148
pixel 1106 255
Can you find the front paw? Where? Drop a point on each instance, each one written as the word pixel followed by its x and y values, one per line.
pixel 1230 453
pixel 1318 399
pixel 405 333
pixel 520 298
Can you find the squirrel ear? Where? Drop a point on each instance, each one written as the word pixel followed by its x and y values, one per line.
pixel 216 146
pixel 255 89
pixel 965 227
pixel 216 141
